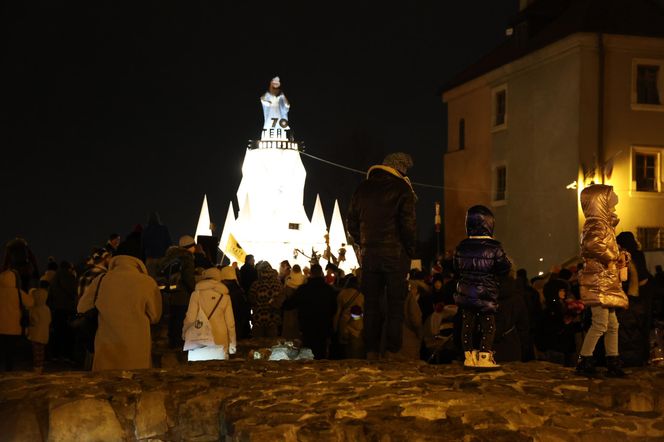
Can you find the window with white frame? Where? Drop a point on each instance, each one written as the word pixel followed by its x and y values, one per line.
pixel 651 238
pixel 499 108
pixel 646 169
pixel 648 84
pixel 500 183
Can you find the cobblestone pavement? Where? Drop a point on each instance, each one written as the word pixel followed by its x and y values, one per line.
pixel 332 401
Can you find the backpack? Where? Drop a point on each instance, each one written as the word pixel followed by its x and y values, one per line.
pixel 169 275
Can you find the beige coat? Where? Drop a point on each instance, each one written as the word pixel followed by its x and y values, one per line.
pixel 222 321
pixel 128 302
pixel 40 317
pixel 600 279
pixel 10 311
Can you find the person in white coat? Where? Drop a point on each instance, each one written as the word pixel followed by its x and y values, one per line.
pixel 213 298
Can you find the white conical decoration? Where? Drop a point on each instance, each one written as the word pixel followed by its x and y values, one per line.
pixel 338 239
pixel 204 224
pixel 337 231
pixel 318 226
pixel 228 227
pixel 245 211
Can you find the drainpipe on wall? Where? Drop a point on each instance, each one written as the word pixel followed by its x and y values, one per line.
pixel 600 104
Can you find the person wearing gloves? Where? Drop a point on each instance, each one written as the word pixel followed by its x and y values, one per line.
pixel 599 281
pixel 212 297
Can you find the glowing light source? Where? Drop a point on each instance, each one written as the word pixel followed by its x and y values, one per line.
pixel 571 185
pixel 273 179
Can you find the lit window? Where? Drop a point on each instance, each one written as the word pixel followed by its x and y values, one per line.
pixel 648 84
pixel 462 134
pixel 646 163
pixel 500 193
pixel 651 238
pixel 645 173
pixel 499 108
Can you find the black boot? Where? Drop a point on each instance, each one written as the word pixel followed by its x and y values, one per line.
pixel 614 367
pixel 586 366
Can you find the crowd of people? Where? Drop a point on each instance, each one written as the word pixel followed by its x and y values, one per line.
pixel 539 318
pixel 470 306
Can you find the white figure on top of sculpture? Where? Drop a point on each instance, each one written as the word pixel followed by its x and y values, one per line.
pixel 275 113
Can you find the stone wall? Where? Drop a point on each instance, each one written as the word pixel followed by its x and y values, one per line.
pixel 331 401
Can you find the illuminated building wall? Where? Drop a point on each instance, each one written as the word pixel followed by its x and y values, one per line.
pixel 549 134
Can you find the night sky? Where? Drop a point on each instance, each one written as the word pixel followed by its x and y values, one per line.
pixel 108 113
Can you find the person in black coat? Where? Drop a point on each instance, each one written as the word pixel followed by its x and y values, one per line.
pixel 479 260
pixel 239 302
pixel 531 299
pixel 156 240
pixel 512 325
pixel 62 302
pixel 248 273
pixel 133 244
pixel 381 220
pixel 636 322
pixel 316 304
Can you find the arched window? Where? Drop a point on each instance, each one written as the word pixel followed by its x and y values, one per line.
pixel 462 134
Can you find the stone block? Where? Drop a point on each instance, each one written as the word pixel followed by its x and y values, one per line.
pixel 426 411
pixel 641 401
pixel 523 417
pixel 569 422
pixel 602 435
pixel 553 434
pixel 19 424
pixel 262 433
pixel 151 418
pixel 84 420
pixel 198 417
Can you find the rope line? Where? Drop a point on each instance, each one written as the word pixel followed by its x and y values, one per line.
pixel 432 186
pixel 363 172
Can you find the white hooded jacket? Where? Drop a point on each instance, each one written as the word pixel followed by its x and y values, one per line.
pixel 222 321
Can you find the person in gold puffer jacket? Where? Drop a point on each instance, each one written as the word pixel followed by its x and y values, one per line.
pixel 601 289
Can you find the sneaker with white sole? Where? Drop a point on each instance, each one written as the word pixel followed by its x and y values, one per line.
pixel 486 362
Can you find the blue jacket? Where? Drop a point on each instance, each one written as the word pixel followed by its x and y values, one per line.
pixel 479 260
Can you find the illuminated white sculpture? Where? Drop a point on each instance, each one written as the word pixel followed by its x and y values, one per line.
pixel 272 223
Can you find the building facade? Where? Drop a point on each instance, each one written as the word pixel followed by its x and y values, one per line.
pixel 569 99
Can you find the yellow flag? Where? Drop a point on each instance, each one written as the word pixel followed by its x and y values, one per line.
pixel 234 249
